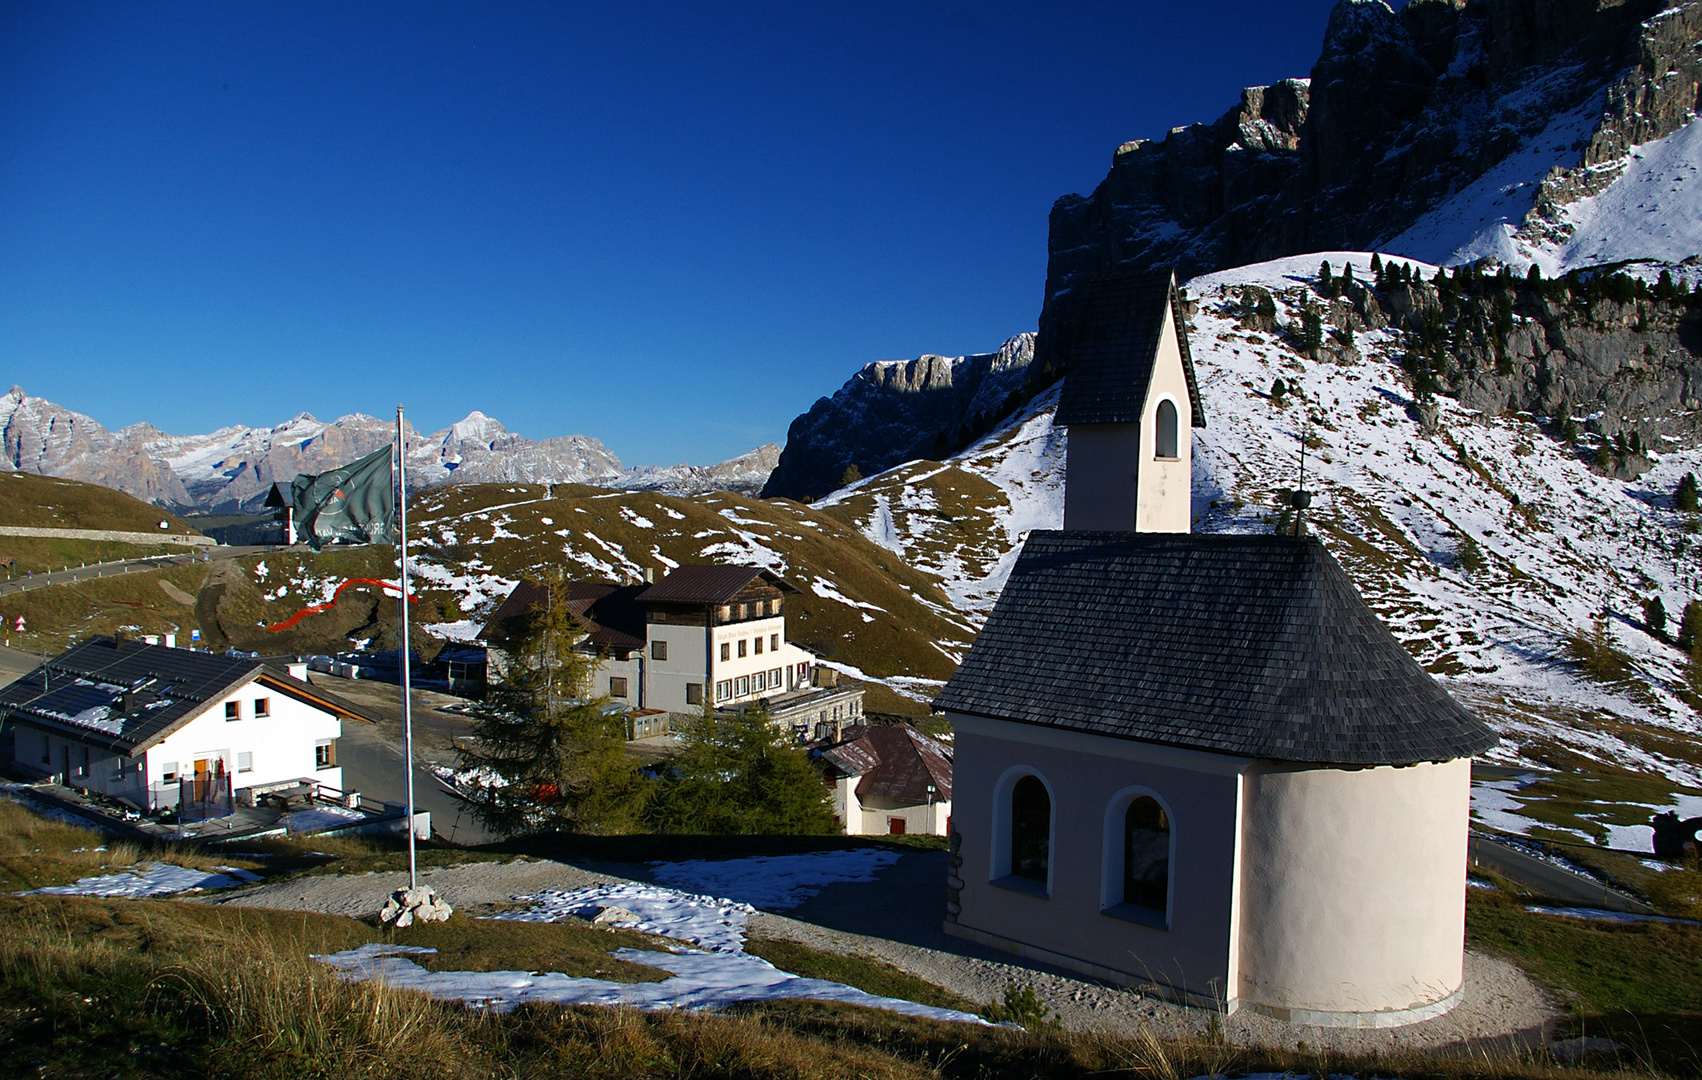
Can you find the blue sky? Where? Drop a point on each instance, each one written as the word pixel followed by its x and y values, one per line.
pixel 668 227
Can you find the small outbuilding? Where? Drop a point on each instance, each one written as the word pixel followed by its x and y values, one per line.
pixel 1199 763
pixel 888 779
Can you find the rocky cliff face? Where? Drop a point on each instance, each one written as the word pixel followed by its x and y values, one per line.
pixel 1402 111
pixel 898 410
pixel 232 469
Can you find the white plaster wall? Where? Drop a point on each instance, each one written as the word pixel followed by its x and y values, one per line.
pixel 1353 886
pixel 686 663
pixel 1100 476
pixel 929 820
pixel 1196 954
pixel 282 743
pixel 1164 500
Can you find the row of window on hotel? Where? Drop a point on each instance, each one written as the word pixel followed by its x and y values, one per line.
pixel 727 646
pixel 759 609
pixel 1145 843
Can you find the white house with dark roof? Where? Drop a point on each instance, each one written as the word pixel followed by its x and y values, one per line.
pixel 1200 764
pixel 145 723
pixel 702 632
pixel 888 779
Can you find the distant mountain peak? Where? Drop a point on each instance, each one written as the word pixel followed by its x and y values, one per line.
pixel 233 468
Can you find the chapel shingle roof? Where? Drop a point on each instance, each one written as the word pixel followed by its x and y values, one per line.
pixel 1256 646
pixel 1106 343
pixel 124 695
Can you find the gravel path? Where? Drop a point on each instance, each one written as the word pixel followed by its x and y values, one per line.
pixel 894 920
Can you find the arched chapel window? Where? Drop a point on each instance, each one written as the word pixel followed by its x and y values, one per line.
pixel 1165 436
pixel 1146 855
pixel 1031 829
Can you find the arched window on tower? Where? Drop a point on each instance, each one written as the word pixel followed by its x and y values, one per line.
pixel 1146 855
pixel 1164 438
pixel 1031 829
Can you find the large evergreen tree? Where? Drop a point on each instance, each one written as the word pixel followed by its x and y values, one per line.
pixel 549 754
pixel 738 772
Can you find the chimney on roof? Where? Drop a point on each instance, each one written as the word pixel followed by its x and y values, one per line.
pixel 649 575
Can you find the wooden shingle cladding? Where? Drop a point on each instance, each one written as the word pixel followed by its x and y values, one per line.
pixel 1105 339
pixel 1255 646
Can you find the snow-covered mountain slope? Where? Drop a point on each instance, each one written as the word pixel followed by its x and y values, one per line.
pixel 233 468
pixel 860 606
pixel 1649 210
pixel 1484 544
pixel 1444 131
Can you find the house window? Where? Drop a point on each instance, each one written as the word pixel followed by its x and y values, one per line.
pixel 325 754
pixel 1146 855
pixel 726 612
pixel 774 677
pixel 774 643
pixel 233 710
pixel 741 686
pixel 658 650
pixel 694 693
pixel 1031 830
pixel 742 644
pixel 803 672
pixel 617 686
pixel 262 706
pixel 726 650
pixel 245 761
pixel 744 611
pixel 723 689
pixel 168 772
pixel 1164 437
pixel 759 645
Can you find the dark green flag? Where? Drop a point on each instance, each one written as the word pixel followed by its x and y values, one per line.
pixel 355 504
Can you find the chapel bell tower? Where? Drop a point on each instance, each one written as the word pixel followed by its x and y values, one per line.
pixel 1130 403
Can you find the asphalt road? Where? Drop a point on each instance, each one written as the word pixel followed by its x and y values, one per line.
pixel 124 566
pixel 371 753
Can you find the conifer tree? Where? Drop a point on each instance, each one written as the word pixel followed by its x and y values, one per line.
pixel 1655 617
pixel 1311 329
pixel 549 753
pixel 1377 268
pixel 1326 284
pixel 737 772
pixel 1690 626
pixel 1687 498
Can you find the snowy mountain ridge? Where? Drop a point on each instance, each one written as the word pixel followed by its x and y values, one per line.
pixel 234 467
pixel 1444 132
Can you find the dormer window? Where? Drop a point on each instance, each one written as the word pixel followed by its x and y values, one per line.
pixel 1165 431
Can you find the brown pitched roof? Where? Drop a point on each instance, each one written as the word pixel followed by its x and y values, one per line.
pixel 610 613
pixel 708 584
pixel 894 762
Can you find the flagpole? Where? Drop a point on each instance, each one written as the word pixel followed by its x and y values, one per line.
pixel 407 689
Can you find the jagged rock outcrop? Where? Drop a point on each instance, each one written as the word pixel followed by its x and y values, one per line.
pixel 1401 111
pixel 1605 357
pixel 232 469
pixel 894 411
